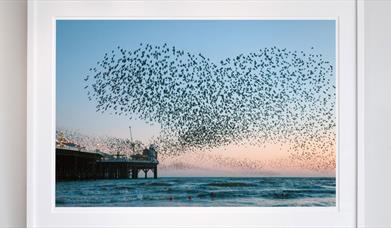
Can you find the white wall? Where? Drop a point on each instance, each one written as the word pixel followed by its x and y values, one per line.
pixel 13 16
pixel 378 113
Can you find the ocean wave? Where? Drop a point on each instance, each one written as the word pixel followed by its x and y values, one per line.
pixel 231 184
pixel 158 184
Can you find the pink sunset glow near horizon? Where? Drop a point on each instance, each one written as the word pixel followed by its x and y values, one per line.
pixel 233 160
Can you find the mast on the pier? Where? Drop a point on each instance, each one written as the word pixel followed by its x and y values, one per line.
pixel 131 138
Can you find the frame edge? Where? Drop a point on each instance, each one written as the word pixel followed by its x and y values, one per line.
pixel 31 52
pixel 360 55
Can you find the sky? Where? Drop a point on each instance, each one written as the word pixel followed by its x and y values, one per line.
pixel 81 43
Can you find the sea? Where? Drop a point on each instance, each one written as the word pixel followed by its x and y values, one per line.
pixel 199 192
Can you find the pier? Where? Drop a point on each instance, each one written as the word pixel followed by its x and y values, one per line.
pixel 77 164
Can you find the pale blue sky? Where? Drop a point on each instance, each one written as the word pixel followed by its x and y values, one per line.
pixel 81 43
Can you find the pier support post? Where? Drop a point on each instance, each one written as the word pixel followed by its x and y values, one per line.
pixel 135 173
pixel 146 173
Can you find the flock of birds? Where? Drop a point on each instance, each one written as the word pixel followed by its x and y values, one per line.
pixel 271 95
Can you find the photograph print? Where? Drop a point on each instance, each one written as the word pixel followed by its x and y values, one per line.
pixel 196 113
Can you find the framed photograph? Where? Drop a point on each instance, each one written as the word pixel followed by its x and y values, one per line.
pixel 194 114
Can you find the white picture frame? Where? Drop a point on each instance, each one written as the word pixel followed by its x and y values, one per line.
pixel 41 210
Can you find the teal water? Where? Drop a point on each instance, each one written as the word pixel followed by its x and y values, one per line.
pixel 199 192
